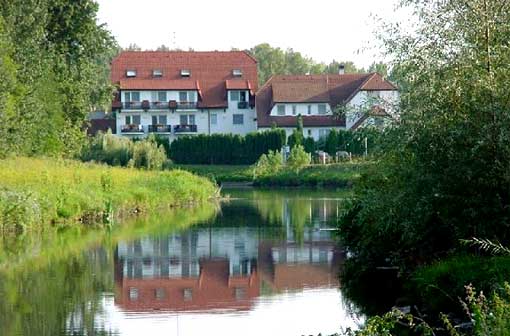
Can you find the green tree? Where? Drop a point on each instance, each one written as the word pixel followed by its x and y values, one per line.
pixel 444 176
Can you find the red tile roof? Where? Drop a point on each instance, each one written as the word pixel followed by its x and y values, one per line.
pixel 209 70
pixel 332 89
pixel 158 84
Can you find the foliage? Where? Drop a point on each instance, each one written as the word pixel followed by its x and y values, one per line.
pixel 298 158
pixel 120 151
pixel 225 148
pixel 444 176
pixel 354 141
pixel 54 68
pixel 309 145
pixel 333 175
pixel 47 191
pixel 268 164
pixel 275 61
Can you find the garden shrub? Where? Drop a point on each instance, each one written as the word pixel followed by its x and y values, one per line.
pixel 298 158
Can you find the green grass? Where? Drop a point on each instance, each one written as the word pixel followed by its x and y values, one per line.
pixel 37 192
pixel 332 175
pixel 220 173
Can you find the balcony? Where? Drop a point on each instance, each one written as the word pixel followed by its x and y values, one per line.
pixel 159 105
pixel 132 105
pixel 242 105
pixel 183 105
pixel 132 129
pixel 185 129
pixel 160 129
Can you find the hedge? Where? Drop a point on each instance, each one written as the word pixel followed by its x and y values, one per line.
pixel 225 148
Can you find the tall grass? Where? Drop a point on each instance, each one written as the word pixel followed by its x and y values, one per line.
pixel 38 192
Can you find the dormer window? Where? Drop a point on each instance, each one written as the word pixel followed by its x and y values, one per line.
pixel 130 73
pixel 185 73
pixel 237 73
pixel 157 73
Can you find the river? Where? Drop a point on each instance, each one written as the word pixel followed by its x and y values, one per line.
pixel 261 263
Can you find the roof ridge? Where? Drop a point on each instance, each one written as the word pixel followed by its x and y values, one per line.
pixel 358 89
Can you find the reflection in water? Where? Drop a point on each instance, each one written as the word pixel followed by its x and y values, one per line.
pixel 263 265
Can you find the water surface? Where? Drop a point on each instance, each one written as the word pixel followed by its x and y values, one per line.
pixel 264 263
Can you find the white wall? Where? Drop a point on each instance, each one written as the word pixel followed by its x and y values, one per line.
pixel 224 117
pixel 387 99
pixel 147 95
pixel 301 108
pixel 314 132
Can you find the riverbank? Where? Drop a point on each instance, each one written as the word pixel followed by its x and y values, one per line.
pixel 35 193
pixel 338 175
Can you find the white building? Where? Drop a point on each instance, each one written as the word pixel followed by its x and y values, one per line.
pixel 364 98
pixel 178 93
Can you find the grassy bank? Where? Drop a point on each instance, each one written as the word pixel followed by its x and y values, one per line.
pixel 39 192
pixel 220 173
pixel 333 175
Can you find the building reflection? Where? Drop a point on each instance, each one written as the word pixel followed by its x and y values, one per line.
pixel 212 267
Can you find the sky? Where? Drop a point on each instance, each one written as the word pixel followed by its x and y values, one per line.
pixel 324 30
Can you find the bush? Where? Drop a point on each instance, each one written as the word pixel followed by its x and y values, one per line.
pixel 268 164
pixel 225 148
pixel 298 158
pixel 119 151
pixel 18 210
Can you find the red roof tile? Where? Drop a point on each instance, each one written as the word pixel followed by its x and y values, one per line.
pixel 158 84
pixel 332 89
pixel 210 70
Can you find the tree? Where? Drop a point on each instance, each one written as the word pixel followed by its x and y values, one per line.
pixel 297 138
pixel 444 176
pixel 61 59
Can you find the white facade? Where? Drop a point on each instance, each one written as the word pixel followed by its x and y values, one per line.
pixel 386 99
pixel 144 112
pixel 294 109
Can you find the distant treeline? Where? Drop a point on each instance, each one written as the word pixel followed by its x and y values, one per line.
pixel 225 148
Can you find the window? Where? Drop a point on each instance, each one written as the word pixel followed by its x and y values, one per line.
pixel 132 96
pixel 322 108
pixel 191 96
pixel 188 294
pixel 237 73
pixel 323 133
pixel 234 95
pixel 242 96
pixel 187 119
pixel 281 110
pixel 294 109
pixel 133 119
pixel 162 96
pixel 159 293
pixel 133 294
pixel 183 96
pixel 157 73
pixel 159 120
pixel 185 73
pixel 239 293
pixel 214 119
pixel 238 119
pixel 130 73
pixel 309 132
pixel 309 109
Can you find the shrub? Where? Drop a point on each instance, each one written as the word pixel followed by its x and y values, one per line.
pixel 119 151
pixel 298 158
pixel 268 164
pixel 18 210
pixel 225 148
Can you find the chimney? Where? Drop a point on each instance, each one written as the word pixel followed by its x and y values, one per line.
pixel 341 69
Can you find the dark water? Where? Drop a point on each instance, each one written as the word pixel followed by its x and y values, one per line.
pixel 264 263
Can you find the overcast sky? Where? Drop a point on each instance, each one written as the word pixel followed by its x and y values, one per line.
pixel 322 29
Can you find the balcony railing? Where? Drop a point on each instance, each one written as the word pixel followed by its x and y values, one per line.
pixel 132 105
pixel 146 105
pixel 132 128
pixel 186 105
pixel 160 129
pixel 185 128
